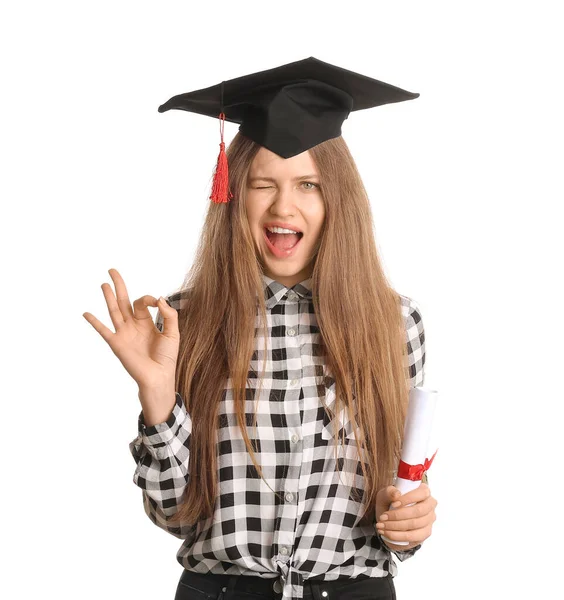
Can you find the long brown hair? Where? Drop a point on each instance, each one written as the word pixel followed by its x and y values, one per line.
pixel 358 313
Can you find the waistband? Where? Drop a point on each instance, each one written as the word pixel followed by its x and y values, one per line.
pixel 212 584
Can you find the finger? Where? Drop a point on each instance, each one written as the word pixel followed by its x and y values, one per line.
pixel 415 522
pixel 170 319
pixel 122 296
pixel 415 535
pixel 417 495
pixel 392 493
pixel 106 333
pixel 140 307
pixel 418 509
pixel 113 307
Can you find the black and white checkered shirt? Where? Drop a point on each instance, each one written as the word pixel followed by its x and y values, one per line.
pixel 313 530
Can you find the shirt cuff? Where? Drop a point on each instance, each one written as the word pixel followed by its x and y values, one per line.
pixel 405 554
pixel 401 554
pixel 160 434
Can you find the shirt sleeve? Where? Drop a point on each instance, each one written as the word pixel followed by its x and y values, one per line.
pixel 162 453
pixel 415 339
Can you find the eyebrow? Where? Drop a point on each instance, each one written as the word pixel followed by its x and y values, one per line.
pixel 311 176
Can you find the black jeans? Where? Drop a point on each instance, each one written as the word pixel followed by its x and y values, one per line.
pixel 209 586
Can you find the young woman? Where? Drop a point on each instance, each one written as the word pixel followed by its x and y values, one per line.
pixel 274 388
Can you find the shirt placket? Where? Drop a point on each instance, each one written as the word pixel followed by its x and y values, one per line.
pixel 284 538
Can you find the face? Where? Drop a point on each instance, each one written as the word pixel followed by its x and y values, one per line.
pixel 285 190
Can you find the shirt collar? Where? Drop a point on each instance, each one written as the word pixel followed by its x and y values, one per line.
pixel 275 292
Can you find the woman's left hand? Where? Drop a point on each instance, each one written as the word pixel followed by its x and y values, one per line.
pixel 406 523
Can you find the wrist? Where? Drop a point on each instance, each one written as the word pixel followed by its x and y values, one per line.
pixel 157 404
pixel 398 547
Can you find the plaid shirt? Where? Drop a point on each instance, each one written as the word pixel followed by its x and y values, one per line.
pixel 313 530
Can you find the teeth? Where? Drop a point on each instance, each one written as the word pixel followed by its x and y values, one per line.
pixel 280 230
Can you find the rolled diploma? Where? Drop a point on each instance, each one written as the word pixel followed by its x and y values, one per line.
pixel 417 433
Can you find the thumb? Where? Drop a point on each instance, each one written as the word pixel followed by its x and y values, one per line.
pixel 384 498
pixel 170 316
pixel 387 496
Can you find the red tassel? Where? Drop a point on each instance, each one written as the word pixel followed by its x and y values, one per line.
pixel 220 192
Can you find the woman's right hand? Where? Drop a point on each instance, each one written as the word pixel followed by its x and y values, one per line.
pixel 148 355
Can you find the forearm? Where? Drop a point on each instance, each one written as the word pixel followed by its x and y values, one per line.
pixel 162 456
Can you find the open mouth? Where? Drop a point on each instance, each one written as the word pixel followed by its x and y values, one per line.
pixel 283 242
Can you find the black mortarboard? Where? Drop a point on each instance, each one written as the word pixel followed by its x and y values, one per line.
pixel 288 109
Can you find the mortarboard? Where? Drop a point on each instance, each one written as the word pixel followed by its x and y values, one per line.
pixel 287 109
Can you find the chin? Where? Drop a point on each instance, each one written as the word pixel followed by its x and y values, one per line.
pixel 287 271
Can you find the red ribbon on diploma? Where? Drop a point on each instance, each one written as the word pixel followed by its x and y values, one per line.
pixel 414 472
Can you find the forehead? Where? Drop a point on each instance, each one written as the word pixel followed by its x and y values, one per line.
pixel 266 162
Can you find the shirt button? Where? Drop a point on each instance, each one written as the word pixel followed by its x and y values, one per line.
pixel 291 331
pixel 294 382
pixel 292 295
pixel 283 550
pixel 289 497
pixel 295 438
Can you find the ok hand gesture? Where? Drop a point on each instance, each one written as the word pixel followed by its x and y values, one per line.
pixel 148 355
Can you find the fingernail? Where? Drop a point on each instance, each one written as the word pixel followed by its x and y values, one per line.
pixel 384 517
pixel 396 503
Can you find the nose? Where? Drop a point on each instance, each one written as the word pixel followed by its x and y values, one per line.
pixel 284 203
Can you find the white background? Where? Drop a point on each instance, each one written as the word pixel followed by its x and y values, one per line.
pixel 466 188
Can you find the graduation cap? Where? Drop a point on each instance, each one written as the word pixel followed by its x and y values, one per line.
pixel 288 109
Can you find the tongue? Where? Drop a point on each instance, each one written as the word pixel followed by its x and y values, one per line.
pixel 283 241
